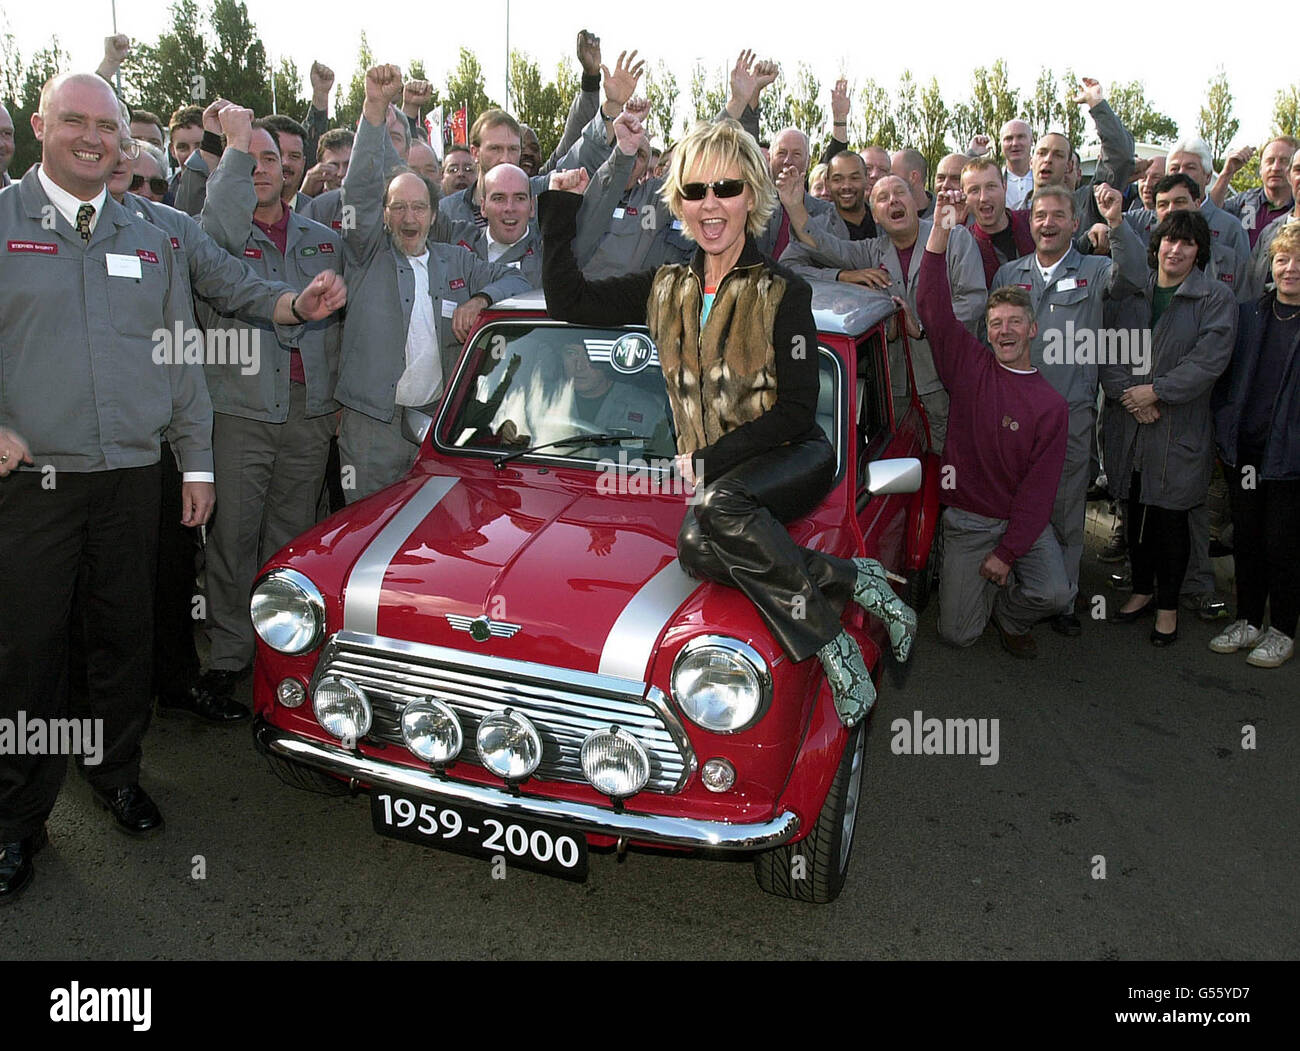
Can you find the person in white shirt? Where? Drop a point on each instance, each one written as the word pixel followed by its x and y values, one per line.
pixel 1017 137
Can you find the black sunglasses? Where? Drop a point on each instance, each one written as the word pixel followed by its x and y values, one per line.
pixel 157 185
pixel 695 191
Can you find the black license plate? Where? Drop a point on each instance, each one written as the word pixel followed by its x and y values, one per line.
pixel 479 834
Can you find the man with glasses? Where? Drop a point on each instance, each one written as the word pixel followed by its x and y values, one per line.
pixel 423 299
pixel 149 173
pixel 458 170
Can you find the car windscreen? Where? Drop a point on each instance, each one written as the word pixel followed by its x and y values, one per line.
pixel 531 383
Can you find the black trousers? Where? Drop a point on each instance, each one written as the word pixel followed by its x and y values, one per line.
pixel 1160 543
pixel 95 536
pixel 1265 541
pixel 175 657
pixel 734 535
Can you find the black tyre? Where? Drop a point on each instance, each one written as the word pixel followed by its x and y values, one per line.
pixel 304 777
pixel 814 869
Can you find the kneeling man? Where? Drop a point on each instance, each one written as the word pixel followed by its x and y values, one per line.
pixel 1001 464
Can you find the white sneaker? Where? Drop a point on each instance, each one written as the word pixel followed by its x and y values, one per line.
pixel 1237 637
pixel 1273 651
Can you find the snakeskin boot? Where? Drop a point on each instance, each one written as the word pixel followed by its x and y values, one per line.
pixel 874 594
pixel 851 686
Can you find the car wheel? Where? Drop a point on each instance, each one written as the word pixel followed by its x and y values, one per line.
pixel 814 869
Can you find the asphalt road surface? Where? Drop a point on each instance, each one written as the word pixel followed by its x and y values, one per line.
pixel 1108 749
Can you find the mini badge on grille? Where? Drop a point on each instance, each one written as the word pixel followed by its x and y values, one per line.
pixel 481 628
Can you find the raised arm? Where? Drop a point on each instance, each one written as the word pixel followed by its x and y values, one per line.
pixel 227 215
pixel 363 185
pixel 954 348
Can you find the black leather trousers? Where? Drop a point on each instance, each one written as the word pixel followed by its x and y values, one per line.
pixel 734 535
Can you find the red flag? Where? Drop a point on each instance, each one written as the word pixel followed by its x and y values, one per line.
pixel 457 130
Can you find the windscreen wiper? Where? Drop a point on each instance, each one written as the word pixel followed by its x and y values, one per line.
pixel 572 439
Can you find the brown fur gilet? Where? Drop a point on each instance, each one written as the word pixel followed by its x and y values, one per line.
pixel 724 376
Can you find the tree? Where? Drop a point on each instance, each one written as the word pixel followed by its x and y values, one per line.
pixel 288 89
pixel 465 84
pixel 1072 119
pixel 661 92
pixel 1147 124
pixel 173 71
pixel 907 114
pixel 806 112
pixel 878 125
pixel 964 124
pixel 1217 126
pixel 1286 112
pixel 237 66
pixel 1042 109
pixel 933 116
pixel 11 70
pixel 347 107
pixel 542 106
pixel 46 63
pixel 708 95
pixel 993 100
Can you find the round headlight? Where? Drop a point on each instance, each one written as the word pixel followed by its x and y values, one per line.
pixel 290 693
pixel 718 775
pixel 431 730
pixel 288 612
pixel 508 745
pixel 341 708
pixel 721 684
pixel 614 762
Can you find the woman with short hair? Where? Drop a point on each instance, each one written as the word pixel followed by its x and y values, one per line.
pixel 1257 422
pixel 736 340
pixel 1163 454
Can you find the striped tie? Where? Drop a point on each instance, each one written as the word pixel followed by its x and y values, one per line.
pixel 83 220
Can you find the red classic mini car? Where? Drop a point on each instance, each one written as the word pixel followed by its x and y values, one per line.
pixel 503 650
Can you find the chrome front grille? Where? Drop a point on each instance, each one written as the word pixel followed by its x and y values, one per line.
pixel 565 706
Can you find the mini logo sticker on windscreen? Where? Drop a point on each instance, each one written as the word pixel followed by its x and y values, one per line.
pixel 481 628
pixel 632 353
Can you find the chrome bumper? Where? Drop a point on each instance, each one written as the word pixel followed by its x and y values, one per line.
pixel 582 817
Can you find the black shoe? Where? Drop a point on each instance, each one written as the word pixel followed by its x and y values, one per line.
pixel 1218 549
pixel 210 699
pixel 1162 639
pixel 1098 494
pixel 16 871
pixel 1120 617
pixel 1022 647
pixel 1066 624
pixel 135 813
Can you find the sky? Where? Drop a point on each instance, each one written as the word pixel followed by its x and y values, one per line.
pixel 879 41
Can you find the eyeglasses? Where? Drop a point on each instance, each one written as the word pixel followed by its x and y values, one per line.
pixel 458 169
pixel 695 191
pixel 157 185
pixel 130 149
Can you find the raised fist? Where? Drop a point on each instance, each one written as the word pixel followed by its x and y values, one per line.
pixel 1089 93
pixel 572 180
pixel 236 125
pixel 211 122
pixel 322 78
pixel 979 146
pixel 589 52
pixel 116 48
pixel 1237 160
pixel 417 93
pixel 383 83
pixel 1110 203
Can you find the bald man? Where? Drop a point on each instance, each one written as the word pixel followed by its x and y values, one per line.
pixel 84 400
pixel 6 145
pixel 909 165
pixel 1017 139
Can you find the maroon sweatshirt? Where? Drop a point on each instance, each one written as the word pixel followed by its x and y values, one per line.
pixel 1006 430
